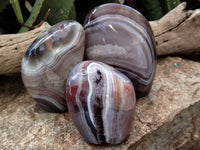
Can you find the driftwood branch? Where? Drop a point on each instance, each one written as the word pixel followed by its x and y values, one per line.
pixel 177 32
pixel 13 48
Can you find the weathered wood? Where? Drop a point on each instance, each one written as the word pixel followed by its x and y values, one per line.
pixel 177 32
pixel 13 47
pixel 170 20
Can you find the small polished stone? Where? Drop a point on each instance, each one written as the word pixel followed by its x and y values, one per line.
pixel 120 36
pixel 48 62
pixel 101 102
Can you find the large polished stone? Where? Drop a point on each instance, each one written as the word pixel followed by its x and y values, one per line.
pixel 48 62
pixel 120 36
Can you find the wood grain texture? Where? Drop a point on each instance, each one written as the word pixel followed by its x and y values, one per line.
pixel 178 31
pixel 13 48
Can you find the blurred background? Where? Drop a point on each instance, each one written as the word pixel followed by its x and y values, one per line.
pixel 20 15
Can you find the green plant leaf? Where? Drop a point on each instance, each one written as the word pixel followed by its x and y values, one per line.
pixel 168 5
pixel 17 10
pixel 151 9
pixel 60 10
pixel 34 13
pixel 3 4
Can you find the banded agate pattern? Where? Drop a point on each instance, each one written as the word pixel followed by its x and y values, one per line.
pixel 121 37
pixel 101 102
pixel 48 62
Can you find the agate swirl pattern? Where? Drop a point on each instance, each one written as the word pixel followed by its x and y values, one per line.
pixel 101 102
pixel 48 62
pixel 121 37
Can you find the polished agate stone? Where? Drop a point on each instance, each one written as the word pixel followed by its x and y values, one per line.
pixel 101 102
pixel 121 37
pixel 48 62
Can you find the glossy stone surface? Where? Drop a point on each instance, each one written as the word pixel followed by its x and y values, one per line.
pixel 121 37
pixel 101 102
pixel 48 62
